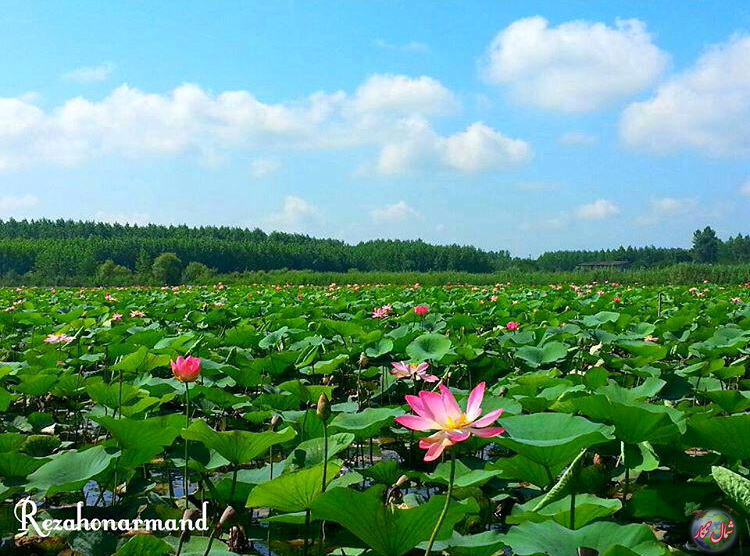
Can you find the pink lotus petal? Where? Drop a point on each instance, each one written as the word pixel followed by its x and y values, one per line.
pixel 449 400
pixel 488 419
pixel 422 367
pixel 433 403
pixel 415 422
pixel 429 378
pixel 415 402
pixel 487 432
pixel 458 435
pixel 474 405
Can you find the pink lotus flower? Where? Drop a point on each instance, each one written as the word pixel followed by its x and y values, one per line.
pixel 117 316
pixel 186 369
pixel 59 339
pixel 416 371
pixel 493 298
pixel 136 313
pixel 422 309
pixel 513 325
pixel 617 299
pixel 441 412
pixel 382 312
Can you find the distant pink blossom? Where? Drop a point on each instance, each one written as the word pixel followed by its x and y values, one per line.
pixel 137 313
pixel 493 298
pixel 382 312
pixel 441 412
pixel 59 339
pixel 617 299
pixel 416 371
pixel 117 316
pixel 422 309
pixel 513 325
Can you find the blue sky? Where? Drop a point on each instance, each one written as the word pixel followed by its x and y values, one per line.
pixel 519 125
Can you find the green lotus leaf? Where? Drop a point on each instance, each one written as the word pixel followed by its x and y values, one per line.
pixel 553 539
pixel 69 471
pixel 550 352
pixel 141 440
pixel 238 447
pixel 721 434
pixel 294 491
pixel 388 530
pixel 736 487
pixel 367 422
pixel 551 439
pixel 587 509
pixel 431 347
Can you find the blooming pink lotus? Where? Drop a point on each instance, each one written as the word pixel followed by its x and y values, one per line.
pixel 137 314
pixel 117 316
pixel 441 412
pixel 513 325
pixel 382 312
pixel 416 371
pixel 186 369
pixel 59 339
pixel 422 309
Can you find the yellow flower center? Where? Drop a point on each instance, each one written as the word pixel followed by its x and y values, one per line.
pixel 461 421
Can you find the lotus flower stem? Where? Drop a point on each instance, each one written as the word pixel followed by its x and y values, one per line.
pixel 573 510
pixel 444 513
pixel 186 484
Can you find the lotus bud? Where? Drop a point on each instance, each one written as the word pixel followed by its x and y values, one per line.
pixel 402 480
pixel 229 513
pixel 275 420
pixel 323 409
pixel 363 360
pixel 502 391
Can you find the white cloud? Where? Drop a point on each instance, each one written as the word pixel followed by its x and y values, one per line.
pixel 577 66
pixel 577 138
pixel 264 167
pixel 412 46
pixel 479 148
pixel 745 188
pixel 666 208
pixel 296 215
pixel 391 114
pixel 397 212
pixel 601 209
pixel 13 203
pixel 139 218
pixel 400 93
pixel 91 74
pixel 705 108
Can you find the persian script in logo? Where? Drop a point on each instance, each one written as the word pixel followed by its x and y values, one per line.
pixel 713 531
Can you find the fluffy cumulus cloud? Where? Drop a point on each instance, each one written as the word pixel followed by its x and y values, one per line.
pixel 705 108
pixel 601 209
pixel 391 114
pixel 666 208
pixel 478 148
pixel 296 215
pixel 577 66
pixel 12 204
pixel 397 212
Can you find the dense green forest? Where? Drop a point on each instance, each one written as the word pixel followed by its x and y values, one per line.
pixel 68 252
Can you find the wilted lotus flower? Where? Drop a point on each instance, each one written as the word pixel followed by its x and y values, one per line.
pixel 416 371
pixel 441 412
pixel 186 369
pixel 422 309
pixel 513 325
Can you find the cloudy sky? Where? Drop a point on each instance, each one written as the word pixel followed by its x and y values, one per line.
pixel 517 125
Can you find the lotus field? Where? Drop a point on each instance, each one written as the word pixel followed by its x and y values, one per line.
pixel 377 420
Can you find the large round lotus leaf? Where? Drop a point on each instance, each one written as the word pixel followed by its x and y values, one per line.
pixel 553 539
pixel 551 439
pixel 727 435
pixel 429 346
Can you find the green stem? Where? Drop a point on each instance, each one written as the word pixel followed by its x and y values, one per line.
pixel 325 455
pixel 186 484
pixel 573 510
pixel 444 513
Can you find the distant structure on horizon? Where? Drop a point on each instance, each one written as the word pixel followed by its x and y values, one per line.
pixel 609 265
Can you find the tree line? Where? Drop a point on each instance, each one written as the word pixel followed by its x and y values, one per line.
pixel 77 252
